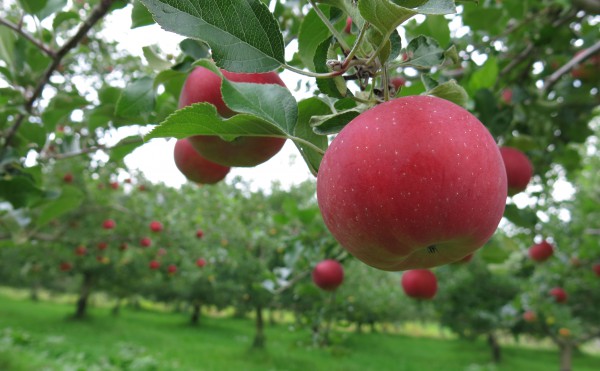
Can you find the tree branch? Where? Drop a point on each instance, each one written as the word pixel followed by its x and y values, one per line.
pixel 97 14
pixel 100 147
pixel 28 37
pixel 577 59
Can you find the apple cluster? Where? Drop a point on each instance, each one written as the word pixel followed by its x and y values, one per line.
pixel 207 159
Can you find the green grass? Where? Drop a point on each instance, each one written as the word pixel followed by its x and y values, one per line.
pixel 42 337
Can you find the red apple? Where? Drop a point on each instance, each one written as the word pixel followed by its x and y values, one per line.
pixel 65 266
pixel 199 233
pixel 141 188
pixel 203 85
pixel 156 226
pixel 419 283
pixel 540 252
pixel 114 185
pixel 68 178
pixel 507 96
pixel 348 27
pixel 80 250
pixel 560 296
pixel 588 70
pixel 102 246
pixel 195 167
pixel 172 268
pixel 519 169
pixel 415 182
pixel 109 224
pixel 398 82
pixel 465 259
pixel 154 264
pixel 201 262
pixel 596 269
pixel 529 316
pixel 145 242
pixel 328 274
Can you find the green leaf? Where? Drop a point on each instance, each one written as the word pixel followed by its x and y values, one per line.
pixel 307 109
pixel 125 147
pixel 202 119
pixel 140 16
pixel 243 34
pixel 450 90
pixel 333 123
pixel 62 17
pixel 32 6
pixel 437 7
pixel 194 48
pixel 384 15
pixel 312 34
pixel 154 61
pixel 7 47
pixel 436 27
pixel 137 99
pixel 33 133
pixel 69 199
pixel 424 52
pixel 52 6
pixel 20 191
pixel 521 217
pixel 334 87
pixel 485 76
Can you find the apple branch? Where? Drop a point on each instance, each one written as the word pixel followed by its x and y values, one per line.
pixel 99 147
pixel 28 37
pixel 96 15
pixel 577 59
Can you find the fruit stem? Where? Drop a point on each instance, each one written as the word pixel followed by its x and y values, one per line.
pixel 334 32
pixel 307 143
pixel 328 75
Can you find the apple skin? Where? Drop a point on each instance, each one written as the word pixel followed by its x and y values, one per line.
pixel 529 316
pixel 65 266
pixel 203 85
pixel 464 260
pixel 156 226
pixel 560 296
pixel 109 224
pixel 201 262
pixel 145 242
pixel 102 246
pixel 199 233
pixel 171 269
pixel 348 27
pixel 154 265
pixel 195 167
pixel 596 269
pixel 507 96
pixel 540 252
pixel 68 178
pixel 401 187
pixel 519 169
pixel 80 251
pixel 397 82
pixel 419 284
pixel 328 274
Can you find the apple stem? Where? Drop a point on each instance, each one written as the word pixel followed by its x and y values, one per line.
pixel 334 32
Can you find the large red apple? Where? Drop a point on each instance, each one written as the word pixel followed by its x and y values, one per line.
pixel 519 169
pixel 560 296
pixel 109 224
pixel 419 283
pixel 156 226
pixel 154 265
pixel 541 251
pixel 203 85
pixel 328 274
pixel 145 242
pixel 195 167
pixel 415 182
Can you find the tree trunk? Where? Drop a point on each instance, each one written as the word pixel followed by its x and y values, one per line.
pixel 373 328
pixel 494 347
pixel 34 291
pixel 259 338
pixel 196 310
pixel 359 327
pixel 566 355
pixel 86 288
pixel 117 308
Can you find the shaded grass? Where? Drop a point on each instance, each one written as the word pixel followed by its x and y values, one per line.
pixel 47 338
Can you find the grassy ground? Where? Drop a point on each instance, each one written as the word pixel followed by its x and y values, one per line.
pixel 39 336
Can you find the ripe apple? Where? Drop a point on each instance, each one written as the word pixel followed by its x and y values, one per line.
pixel 203 85
pixel 156 226
pixel 540 252
pixel 507 96
pixel 560 296
pixel 415 182
pixel 68 178
pixel 154 264
pixel 65 266
pixel 80 250
pixel 529 316
pixel 596 269
pixel 328 274
pixel 201 262
pixel 109 224
pixel 397 82
pixel 348 27
pixel 564 332
pixel 172 268
pixel 195 167
pixel 519 169
pixel 102 246
pixel 145 242
pixel 199 233
pixel 114 185
pixel 419 283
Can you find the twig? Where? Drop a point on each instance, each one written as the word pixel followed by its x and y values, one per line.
pixel 524 54
pixel 100 11
pixel 577 59
pixel 28 37
pixel 99 147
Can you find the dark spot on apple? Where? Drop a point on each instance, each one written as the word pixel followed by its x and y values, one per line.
pixel 432 249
